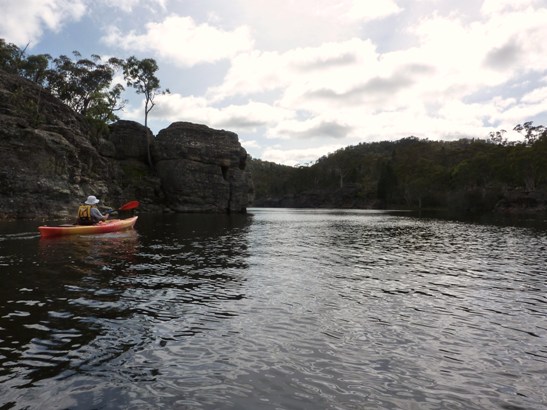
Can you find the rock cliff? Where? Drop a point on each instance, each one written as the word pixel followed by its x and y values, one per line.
pixel 51 158
pixel 202 169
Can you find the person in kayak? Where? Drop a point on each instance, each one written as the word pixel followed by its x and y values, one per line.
pixel 89 214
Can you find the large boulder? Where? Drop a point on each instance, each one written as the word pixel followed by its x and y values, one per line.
pixel 129 140
pixel 202 169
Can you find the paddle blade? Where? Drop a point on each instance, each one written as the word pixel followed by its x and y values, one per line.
pixel 129 205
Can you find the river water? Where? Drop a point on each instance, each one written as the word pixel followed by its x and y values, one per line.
pixel 277 309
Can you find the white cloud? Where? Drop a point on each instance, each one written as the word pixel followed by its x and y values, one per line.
pixel 24 21
pixel 175 107
pixel 452 60
pixel 244 118
pixel 538 95
pixel 490 7
pixel 372 10
pixel 336 65
pixel 349 92
pixel 124 5
pixel 253 72
pixel 129 6
pixel 319 126
pixel 297 156
pixel 519 39
pixel 324 72
pixel 531 105
pixel 285 24
pixel 250 116
pixel 249 144
pixel 184 42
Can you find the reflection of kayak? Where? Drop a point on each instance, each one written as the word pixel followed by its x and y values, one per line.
pixel 111 225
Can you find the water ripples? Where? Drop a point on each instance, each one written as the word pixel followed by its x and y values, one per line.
pixel 280 309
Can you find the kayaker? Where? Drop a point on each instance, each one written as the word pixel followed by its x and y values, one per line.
pixel 89 214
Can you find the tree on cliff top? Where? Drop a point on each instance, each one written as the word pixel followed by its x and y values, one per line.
pixel 85 85
pixel 10 57
pixel 15 61
pixel 140 74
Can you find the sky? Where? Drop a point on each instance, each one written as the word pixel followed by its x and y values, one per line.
pixel 297 80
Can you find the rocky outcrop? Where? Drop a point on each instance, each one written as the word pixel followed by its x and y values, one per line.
pixel 51 159
pixel 128 140
pixel 48 160
pixel 202 169
pixel 128 143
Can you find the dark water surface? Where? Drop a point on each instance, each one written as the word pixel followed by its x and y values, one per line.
pixel 278 309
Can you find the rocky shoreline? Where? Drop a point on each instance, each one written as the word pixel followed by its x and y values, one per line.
pixel 52 158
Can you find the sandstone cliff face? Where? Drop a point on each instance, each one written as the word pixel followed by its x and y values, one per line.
pixel 47 157
pixel 202 169
pixel 51 159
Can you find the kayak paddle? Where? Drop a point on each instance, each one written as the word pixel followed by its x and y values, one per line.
pixel 130 205
pixel 125 207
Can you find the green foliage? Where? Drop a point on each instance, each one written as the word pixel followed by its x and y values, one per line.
pixel 35 68
pixel 84 84
pixel 141 75
pixel 467 174
pixel 531 133
pixel 387 183
pixel 272 180
pixel 10 57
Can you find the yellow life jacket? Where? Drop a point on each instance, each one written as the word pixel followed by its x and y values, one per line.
pixel 84 215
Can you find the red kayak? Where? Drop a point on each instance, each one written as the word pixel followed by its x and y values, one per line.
pixel 111 225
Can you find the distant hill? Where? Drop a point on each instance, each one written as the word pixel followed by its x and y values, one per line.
pixel 470 175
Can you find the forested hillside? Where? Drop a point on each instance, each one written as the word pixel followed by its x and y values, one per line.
pixel 475 175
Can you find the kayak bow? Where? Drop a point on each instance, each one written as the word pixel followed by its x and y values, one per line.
pixel 111 225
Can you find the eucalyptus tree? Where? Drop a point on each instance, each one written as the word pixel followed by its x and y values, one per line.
pixel 35 68
pixel 85 85
pixel 531 157
pixel 531 132
pixel 141 75
pixel 10 57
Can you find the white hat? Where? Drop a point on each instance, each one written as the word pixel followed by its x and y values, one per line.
pixel 91 200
